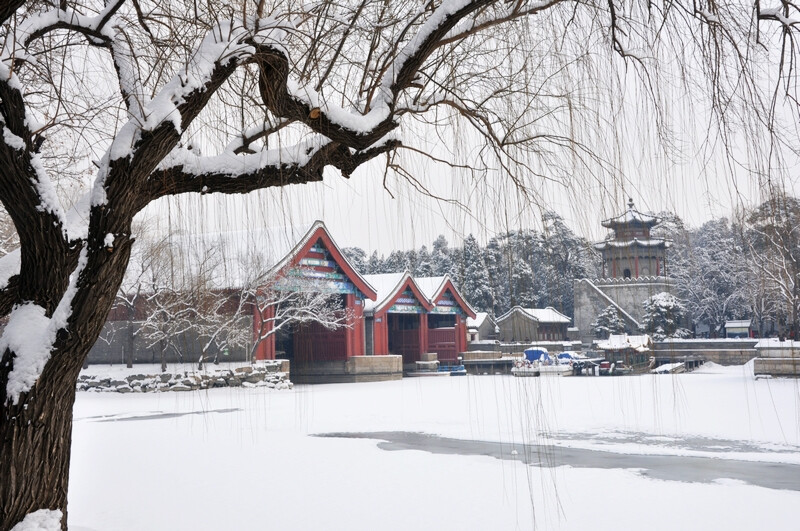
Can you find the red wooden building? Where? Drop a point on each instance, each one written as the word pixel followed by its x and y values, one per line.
pixel 412 316
pixel 447 321
pixel 398 318
pixel 316 256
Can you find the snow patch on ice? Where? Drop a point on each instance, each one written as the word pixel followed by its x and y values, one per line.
pixel 41 520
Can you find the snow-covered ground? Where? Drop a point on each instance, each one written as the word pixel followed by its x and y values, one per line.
pixel 247 458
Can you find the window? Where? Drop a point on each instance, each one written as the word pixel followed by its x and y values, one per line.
pixel 627 273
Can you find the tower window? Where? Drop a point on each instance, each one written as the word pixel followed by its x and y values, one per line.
pixel 627 273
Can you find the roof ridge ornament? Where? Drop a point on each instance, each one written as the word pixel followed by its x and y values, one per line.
pixel 630 203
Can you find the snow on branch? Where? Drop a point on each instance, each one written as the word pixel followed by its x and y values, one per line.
pixel 782 14
pixel 184 171
pixel 225 47
pixel 96 27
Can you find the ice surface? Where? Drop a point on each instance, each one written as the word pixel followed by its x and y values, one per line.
pixel 250 462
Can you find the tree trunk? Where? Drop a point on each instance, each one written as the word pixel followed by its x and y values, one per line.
pixel 36 433
pixel 36 438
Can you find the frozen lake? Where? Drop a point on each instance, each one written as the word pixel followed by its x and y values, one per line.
pixel 667 467
pixel 709 450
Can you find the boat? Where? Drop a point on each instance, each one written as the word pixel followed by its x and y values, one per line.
pixel 434 368
pixel 614 369
pixel 549 365
pixel 453 370
pixel 525 368
pixel 670 368
pixel 555 370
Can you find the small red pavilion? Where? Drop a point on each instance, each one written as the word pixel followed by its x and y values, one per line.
pixel 412 316
pixel 447 321
pixel 317 256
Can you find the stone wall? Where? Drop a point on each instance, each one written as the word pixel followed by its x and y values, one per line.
pixel 355 369
pixel 593 296
pixel 119 343
pixel 272 374
pixel 721 351
pixel 789 367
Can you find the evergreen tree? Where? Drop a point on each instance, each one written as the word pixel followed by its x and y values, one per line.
pixel 424 266
pixel 663 315
pixel 396 262
pixel 607 323
pixel 441 257
pixel 475 284
pixel 493 259
pixel 357 257
pixel 375 264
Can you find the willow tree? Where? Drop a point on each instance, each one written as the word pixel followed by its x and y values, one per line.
pixel 140 100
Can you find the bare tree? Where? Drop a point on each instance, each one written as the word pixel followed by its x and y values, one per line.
pixel 290 301
pixel 773 236
pixel 277 92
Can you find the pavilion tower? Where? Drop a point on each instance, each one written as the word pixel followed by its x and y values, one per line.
pixel 634 269
pixel 632 252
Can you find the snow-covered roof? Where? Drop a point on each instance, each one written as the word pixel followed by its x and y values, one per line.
pixel 431 286
pixel 624 341
pixel 542 315
pixel 630 217
pixel 386 286
pixel 480 317
pixel 776 343
pixel 738 323
pixel 652 242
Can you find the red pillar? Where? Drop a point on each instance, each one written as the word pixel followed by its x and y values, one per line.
pixel 461 335
pixel 380 334
pixel 423 333
pixel 349 305
pixel 266 348
pixel 355 330
pixel 637 266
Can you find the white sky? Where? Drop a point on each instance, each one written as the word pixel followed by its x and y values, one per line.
pixel 360 212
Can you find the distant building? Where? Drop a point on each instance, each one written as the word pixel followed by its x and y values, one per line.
pixel 481 328
pixel 633 350
pixel 525 325
pixel 634 269
pixel 739 328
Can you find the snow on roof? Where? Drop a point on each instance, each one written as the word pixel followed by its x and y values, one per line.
pixel 774 342
pixel 630 216
pixel 542 315
pixel 386 285
pixel 480 317
pixel 742 323
pixel 624 341
pixel 652 242
pixel 547 315
pixel 430 286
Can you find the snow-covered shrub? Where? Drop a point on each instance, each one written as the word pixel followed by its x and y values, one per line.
pixel 663 313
